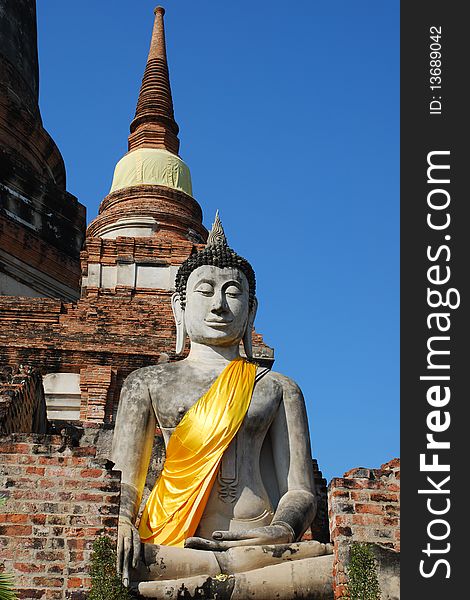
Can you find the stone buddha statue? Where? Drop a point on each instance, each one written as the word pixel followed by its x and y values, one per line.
pixel 236 492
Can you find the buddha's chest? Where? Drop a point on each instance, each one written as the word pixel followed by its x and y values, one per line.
pixel 171 405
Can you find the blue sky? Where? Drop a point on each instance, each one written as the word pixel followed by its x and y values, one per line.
pixel 289 122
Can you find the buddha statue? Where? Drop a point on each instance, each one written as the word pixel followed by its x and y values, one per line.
pixel 236 492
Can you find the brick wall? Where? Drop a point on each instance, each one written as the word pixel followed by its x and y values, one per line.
pixel 22 404
pixel 97 385
pixel 140 250
pixel 29 248
pixel 364 506
pixel 120 334
pixel 60 497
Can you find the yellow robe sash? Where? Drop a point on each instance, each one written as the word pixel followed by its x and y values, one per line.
pixel 176 503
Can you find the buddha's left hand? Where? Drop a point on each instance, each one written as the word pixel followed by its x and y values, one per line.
pixel 223 540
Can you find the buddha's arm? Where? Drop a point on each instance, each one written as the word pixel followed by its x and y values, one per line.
pixel 132 446
pixel 293 462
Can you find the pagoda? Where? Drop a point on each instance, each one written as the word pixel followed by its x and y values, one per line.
pixel 147 225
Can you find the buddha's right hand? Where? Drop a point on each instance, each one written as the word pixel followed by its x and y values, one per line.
pixel 128 548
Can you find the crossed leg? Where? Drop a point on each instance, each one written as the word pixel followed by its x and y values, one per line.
pixel 166 568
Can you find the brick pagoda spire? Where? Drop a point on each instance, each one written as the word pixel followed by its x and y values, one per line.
pixel 151 192
pixel 154 124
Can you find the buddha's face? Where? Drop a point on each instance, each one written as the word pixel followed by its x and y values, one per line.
pixel 217 305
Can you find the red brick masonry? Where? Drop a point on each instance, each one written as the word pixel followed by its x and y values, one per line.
pixel 58 499
pixel 22 403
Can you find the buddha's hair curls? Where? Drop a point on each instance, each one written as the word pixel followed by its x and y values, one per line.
pixel 216 255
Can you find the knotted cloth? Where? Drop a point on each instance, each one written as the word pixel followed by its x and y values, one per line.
pixel 176 503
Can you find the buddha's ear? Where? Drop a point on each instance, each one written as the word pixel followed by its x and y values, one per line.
pixel 247 341
pixel 178 313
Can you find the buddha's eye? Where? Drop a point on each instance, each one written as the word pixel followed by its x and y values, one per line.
pixel 205 289
pixel 233 291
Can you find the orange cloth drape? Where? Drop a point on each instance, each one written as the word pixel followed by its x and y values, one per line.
pixel 176 503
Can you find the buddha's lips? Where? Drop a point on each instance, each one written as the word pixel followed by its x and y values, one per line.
pixel 217 323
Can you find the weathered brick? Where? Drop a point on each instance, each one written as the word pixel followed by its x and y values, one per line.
pixel 35 470
pixel 78 544
pixel 76 556
pixel 53 595
pixel 76 595
pixel 56 519
pixel 50 555
pixel 74 582
pixel 53 460
pixel 48 581
pixel 344 531
pixel 49 483
pixel 38 519
pixel 29 594
pixel 16 530
pixel 367 519
pixel 77 569
pixel 16 448
pixel 29 567
pixel 392 464
pixel 56 543
pixel 79 497
pixel 13 518
pixel 35 543
pixel 57 568
pixel 337 493
pixel 375 509
pixel 385 496
pixel 93 473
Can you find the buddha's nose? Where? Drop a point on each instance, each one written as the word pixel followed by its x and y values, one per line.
pixel 219 304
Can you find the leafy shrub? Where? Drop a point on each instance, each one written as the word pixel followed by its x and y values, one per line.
pixel 105 582
pixel 362 573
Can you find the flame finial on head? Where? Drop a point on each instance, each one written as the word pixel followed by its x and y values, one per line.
pixel 218 254
pixel 217 234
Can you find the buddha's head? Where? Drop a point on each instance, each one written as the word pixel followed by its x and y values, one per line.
pixel 215 301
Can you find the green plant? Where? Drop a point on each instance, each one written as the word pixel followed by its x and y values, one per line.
pixel 105 583
pixel 6 579
pixel 362 573
pixel 6 587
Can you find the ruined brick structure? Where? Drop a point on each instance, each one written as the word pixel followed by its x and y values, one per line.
pixel 364 507
pixel 42 226
pixel 80 316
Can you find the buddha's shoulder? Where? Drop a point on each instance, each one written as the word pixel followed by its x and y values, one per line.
pixel 283 382
pixel 154 373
